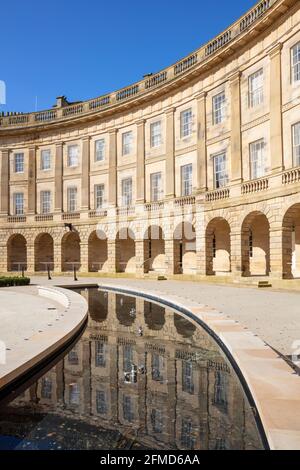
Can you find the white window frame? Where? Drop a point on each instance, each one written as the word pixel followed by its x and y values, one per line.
pixel 257 159
pixel 156 186
pixel 296 144
pixel 19 162
pixel 72 198
pixel 45 157
pixel 127 140
pixel 126 192
pixel 295 63
pixel 155 134
pixel 256 88
pixel 219 108
pixel 99 150
pixel 18 200
pixel 186 174
pixel 218 160
pixel 99 191
pixel 45 201
pixel 186 123
pixel 73 159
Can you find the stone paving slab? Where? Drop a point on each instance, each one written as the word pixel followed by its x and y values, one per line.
pixel 34 322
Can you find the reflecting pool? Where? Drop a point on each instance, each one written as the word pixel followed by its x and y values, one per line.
pixel 141 376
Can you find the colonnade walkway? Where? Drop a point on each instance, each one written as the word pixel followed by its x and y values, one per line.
pixel 271 314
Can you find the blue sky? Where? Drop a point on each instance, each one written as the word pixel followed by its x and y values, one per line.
pixel 87 48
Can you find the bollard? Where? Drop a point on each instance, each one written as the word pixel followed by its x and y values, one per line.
pixel 23 271
pixel 49 275
pixel 75 278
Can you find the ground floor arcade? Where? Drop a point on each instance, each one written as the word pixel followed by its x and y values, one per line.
pixel 259 241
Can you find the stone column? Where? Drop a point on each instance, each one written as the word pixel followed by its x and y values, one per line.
pixel 276 252
pixel 112 172
pixel 3 257
pixel 112 256
pixel 201 143
pixel 84 257
pixel 57 256
pixel 30 257
pixel 170 154
pixel 170 256
pixel 4 183
pixel 276 146
pixel 236 136
pixel 58 200
pixel 140 167
pixel 236 252
pixel 140 257
pixel 31 206
pixel 85 176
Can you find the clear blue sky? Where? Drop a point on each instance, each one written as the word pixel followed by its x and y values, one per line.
pixel 86 48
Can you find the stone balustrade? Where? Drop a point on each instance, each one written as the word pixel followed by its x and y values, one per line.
pixel 70 215
pixel 255 186
pixel 254 14
pixel 97 213
pixel 185 64
pixel 154 206
pixel 217 194
pixel 44 217
pixel 156 79
pixel 15 219
pixel 184 201
pixel 291 176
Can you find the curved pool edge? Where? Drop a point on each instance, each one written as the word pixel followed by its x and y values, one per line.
pixel 44 344
pixel 269 383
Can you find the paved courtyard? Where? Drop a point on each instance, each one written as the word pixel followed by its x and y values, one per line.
pixel 273 315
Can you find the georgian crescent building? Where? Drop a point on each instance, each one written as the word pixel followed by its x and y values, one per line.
pixel 193 170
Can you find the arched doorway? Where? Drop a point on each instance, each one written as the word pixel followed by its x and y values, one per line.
pixel 185 258
pixel 43 252
pixel 291 243
pixel 70 251
pixel 97 246
pixel 256 245
pixel 154 250
pixel 16 253
pixel 125 251
pixel 218 247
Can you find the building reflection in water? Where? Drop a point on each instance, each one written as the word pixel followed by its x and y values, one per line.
pixel 171 388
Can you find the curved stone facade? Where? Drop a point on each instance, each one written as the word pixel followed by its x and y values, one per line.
pixel 194 170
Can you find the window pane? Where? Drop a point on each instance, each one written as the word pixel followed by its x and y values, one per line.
pixel 187 180
pixel 99 196
pixel 186 123
pixel 257 159
pixel 73 153
pixel 100 354
pixel 219 102
pixel 45 159
pixel 45 202
pixel 101 402
pixel 156 187
pixel 127 143
pixel 19 203
pixel 220 170
pixel 296 144
pixel 155 132
pixel 100 150
pixel 127 192
pixel 256 88
pixel 296 62
pixel 72 199
pixel 187 377
pixel 19 162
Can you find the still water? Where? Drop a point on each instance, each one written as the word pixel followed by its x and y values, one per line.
pixel 140 377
